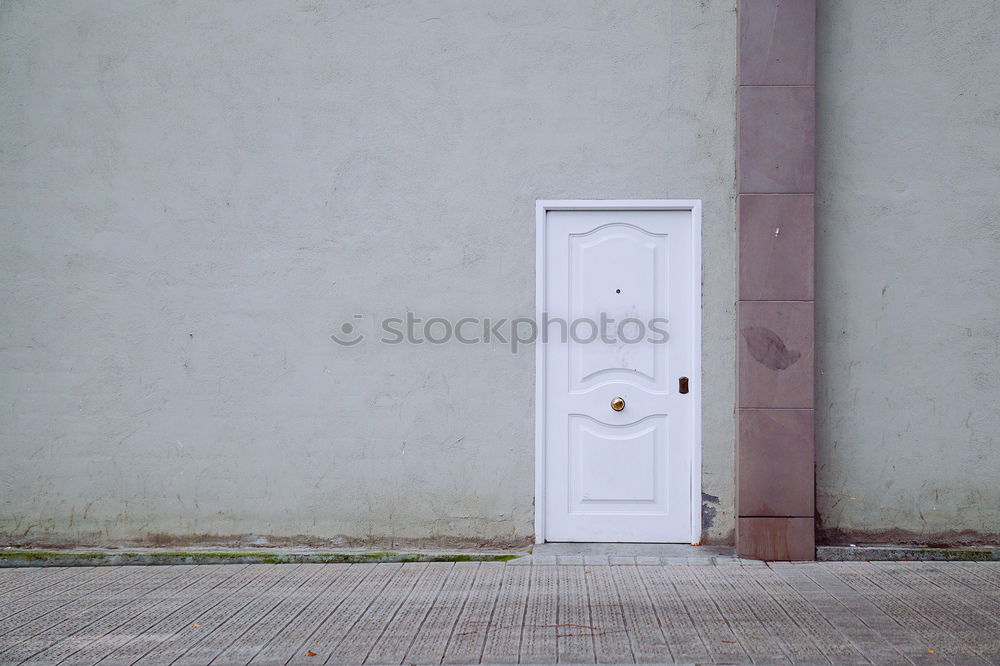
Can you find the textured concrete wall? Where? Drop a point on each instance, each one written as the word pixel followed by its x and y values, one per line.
pixel 194 196
pixel 908 249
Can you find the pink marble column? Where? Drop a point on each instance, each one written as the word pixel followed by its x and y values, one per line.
pixel 776 174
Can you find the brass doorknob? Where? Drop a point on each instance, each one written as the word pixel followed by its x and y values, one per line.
pixel 617 404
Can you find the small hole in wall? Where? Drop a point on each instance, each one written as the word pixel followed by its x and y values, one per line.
pixel 618 291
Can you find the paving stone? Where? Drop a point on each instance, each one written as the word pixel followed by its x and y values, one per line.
pixel 543 560
pixel 570 559
pixel 431 640
pixel 25 637
pixel 233 579
pixel 291 608
pixel 538 639
pixel 761 646
pixel 972 587
pixel 212 645
pixel 22 582
pixel 469 612
pixel 596 560
pixel 345 585
pixel 678 625
pixel 674 561
pixel 619 560
pixel 647 560
pixel 469 634
pixel 503 636
pixel 833 644
pixel 866 580
pixel 862 637
pixel 354 632
pixel 951 621
pixel 575 635
pixel 771 615
pixel 392 645
pixel 716 634
pixel 143 614
pixel 28 607
pixel 611 643
pixel 74 617
pixel 641 624
pixel 896 639
pixel 226 606
pixel 989 572
pixel 174 581
pixel 943 597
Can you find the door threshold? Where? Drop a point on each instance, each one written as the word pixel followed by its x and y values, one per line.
pixel 632 549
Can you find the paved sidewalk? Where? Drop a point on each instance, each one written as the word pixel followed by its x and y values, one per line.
pixel 725 611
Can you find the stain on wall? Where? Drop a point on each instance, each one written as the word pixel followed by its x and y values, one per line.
pixel 709 510
pixel 768 348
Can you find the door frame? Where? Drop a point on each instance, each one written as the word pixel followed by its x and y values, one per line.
pixel 542 207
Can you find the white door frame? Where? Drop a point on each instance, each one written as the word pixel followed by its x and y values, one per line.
pixel 541 208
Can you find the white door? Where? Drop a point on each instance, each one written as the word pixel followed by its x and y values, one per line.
pixel 617 391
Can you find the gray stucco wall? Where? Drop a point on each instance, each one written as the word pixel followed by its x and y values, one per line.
pixel 908 249
pixel 194 196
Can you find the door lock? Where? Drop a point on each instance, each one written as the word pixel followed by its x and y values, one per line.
pixel 617 404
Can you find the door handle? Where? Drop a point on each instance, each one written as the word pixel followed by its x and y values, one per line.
pixel 617 404
pixel 682 385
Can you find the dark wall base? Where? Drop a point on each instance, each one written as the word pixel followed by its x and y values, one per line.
pixel 831 536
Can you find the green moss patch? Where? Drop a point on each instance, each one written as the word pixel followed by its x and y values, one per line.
pixel 68 558
pixel 959 554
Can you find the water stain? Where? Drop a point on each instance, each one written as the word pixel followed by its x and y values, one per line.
pixel 768 348
pixel 708 512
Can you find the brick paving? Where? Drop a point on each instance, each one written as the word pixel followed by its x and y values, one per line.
pixel 543 609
